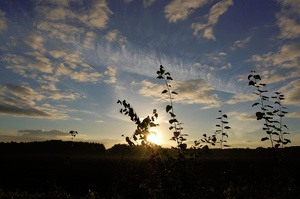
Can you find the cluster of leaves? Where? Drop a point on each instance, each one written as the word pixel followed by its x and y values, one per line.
pixel 269 113
pixel 73 133
pixel 221 130
pixel 175 125
pixel 143 127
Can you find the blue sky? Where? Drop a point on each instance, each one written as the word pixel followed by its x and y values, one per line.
pixel 65 63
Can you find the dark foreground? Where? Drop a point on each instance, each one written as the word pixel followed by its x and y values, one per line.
pixel 237 173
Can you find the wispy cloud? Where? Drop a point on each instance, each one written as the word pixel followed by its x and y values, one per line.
pixel 179 10
pixel 206 30
pixel 238 98
pixel 293 115
pixel 240 43
pixel 116 36
pixel 111 72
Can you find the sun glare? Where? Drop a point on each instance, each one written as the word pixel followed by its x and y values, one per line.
pixel 153 137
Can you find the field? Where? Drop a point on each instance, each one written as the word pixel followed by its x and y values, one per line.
pixel 230 173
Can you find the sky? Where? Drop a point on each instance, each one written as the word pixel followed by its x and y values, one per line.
pixel 64 64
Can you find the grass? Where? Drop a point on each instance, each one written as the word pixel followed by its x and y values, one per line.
pixel 229 173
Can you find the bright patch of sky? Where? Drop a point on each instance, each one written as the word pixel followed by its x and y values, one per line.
pixel 65 63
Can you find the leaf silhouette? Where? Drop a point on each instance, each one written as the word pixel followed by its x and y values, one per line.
pixel 227 127
pixel 173 92
pixel 164 91
pixel 168 108
pixel 264 139
pixel 256 77
pixel 255 104
pixel 251 83
pixel 172 121
pixel 172 114
pixel 259 115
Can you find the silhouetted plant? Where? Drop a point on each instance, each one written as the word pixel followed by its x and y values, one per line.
pixel 268 112
pixel 280 112
pixel 176 126
pixel 203 142
pixel 142 130
pixel 222 127
pixel 213 139
pixel 264 113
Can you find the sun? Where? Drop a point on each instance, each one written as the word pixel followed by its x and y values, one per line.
pixel 153 137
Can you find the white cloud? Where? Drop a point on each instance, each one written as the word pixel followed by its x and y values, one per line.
pixel 89 41
pixel 27 67
pixel 64 32
pixel 226 66
pixel 288 56
pixel 288 19
pixel 245 116
pixel 57 53
pixel 206 30
pixel 217 10
pixel 291 92
pixel 56 13
pixel 189 92
pixel 97 16
pixel 41 63
pixel 272 64
pixel 179 10
pixel 55 95
pixel 41 134
pixel 83 75
pixel 238 98
pixel 289 28
pixel 22 101
pixel 3 23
